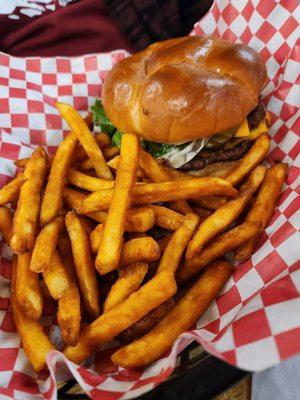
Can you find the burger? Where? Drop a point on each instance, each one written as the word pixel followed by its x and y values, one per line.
pixel 194 101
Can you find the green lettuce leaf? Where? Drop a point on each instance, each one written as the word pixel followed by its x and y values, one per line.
pixel 158 150
pixel 100 119
pixel 117 138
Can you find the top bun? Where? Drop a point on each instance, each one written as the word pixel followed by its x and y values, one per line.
pixel 184 89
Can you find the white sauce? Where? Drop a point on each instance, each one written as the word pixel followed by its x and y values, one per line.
pixel 176 158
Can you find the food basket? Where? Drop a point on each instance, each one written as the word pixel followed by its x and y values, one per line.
pixel 254 323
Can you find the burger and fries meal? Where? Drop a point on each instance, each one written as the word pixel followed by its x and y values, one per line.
pixel 128 230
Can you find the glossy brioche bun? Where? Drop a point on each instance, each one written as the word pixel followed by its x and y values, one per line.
pixel 184 89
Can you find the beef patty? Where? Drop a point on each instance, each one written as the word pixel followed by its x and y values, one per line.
pixel 211 156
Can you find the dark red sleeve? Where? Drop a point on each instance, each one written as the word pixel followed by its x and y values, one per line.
pixel 58 27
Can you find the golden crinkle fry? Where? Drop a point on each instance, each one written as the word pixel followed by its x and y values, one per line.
pixel 107 239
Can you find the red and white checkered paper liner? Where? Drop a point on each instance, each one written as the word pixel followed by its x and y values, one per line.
pixel 255 321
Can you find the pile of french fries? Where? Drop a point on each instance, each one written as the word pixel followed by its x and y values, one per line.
pixel 84 234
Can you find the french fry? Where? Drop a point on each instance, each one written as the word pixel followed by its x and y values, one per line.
pixel 95 238
pixel 113 163
pixel 181 318
pixel 238 172
pixel 130 279
pixel 176 246
pixel 26 216
pixel 87 182
pixel 117 319
pixel 111 152
pixel 251 159
pixel 85 137
pixel 202 213
pixel 166 218
pixel 5 224
pixel 84 265
pixel 52 200
pixel 21 163
pixel 160 192
pixel 80 154
pixel 10 192
pixel 102 139
pixel 112 237
pixel 207 202
pixel 263 206
pixel 180 206
pixel 28 293
pixel 145 324
pixel 35 342
pixel 157 173
pixel 144 249
pixel 216 249
pixel 73 199
pixel 177 175
pixel 45 245
pixel 138 219
pixel 210 202
pixel 217 222
pixel 139 250
pixel 68 313
pixel 56 277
